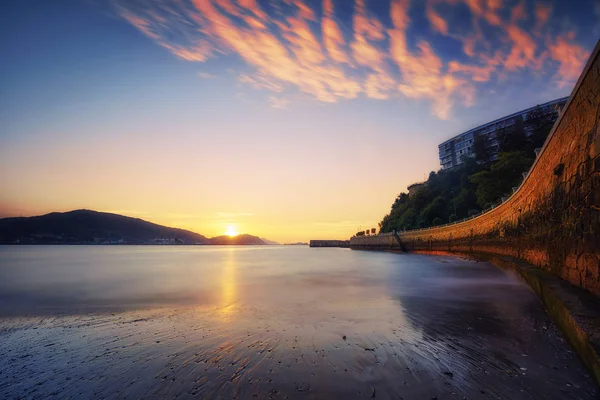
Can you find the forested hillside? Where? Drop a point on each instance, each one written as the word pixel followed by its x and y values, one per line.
pixel 475 185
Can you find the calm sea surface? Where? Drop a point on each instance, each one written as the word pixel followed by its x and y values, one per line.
pixel 272 322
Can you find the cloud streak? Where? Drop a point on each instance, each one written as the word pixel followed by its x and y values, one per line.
pixel 292 45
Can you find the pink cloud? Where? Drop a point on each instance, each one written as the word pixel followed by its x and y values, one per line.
pixel 229 7
pixel 305 12
pixel 488 10
pixel 364 25
pixel 366 29
pixel 521 50
pixel 474 72
pixel 571 58
pixel 522 53
pixel 437 21
pixel 332 36
pixel 518 12
pixel 422 73
pixel 542 12
pixel 253 7
pixel 199 52
pixel 379 86
pixel 299 50
pixel 368 53
pixel 542 16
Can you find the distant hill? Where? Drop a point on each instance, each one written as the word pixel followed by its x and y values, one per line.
pixel 93 227
pixel 267 241
pixel 87 227
pixel 237 240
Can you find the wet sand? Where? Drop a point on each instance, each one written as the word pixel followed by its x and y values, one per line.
pixel 286 322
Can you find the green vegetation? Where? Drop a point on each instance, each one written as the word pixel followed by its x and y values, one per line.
pixel 477 184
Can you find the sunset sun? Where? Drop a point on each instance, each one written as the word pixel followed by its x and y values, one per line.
pixel 231 230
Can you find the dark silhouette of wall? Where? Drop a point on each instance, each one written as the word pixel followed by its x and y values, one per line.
pixel 329 243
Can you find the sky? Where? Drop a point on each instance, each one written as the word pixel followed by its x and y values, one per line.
pixel 287 119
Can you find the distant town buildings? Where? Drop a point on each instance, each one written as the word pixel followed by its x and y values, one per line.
pixel 453 150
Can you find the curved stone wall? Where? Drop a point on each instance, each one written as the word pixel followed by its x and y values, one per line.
pixel 384 241
pixel 553 220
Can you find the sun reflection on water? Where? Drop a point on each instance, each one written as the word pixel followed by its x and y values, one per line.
pixel 228 305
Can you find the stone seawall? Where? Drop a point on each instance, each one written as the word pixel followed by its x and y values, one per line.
pixel 384 241
pixel 553 220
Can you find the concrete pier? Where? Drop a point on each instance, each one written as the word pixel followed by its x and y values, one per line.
pixel 329 243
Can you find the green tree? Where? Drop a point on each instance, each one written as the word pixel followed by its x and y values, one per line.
pixel 465 200
pixel 539 124
pixel 438 208
pixel 408 220
pixel 422 197
pixel 459 192
pixel 501 178
pixel 487 188
pixel 400 199
pixel 481 149
pixel 512 138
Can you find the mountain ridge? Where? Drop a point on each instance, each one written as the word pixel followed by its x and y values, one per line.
pixel 95 227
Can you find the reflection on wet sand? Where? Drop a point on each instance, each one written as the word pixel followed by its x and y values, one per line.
pixel 294 323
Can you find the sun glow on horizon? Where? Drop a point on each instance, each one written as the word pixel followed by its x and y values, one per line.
pixel 231 230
